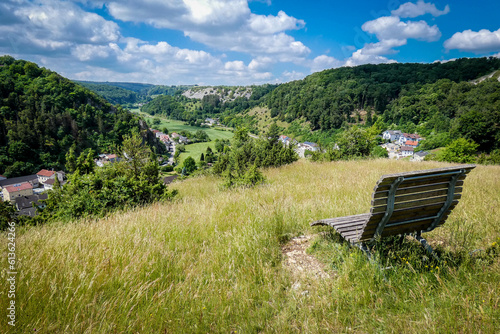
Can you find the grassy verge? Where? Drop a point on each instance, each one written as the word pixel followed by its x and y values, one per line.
pixel 211 262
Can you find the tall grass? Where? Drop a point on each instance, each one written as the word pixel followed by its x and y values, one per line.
pixel 211 262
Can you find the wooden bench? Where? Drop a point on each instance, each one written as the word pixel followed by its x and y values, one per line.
pixel 404 203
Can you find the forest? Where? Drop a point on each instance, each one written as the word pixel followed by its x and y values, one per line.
pixel 43 115
pixel 328 98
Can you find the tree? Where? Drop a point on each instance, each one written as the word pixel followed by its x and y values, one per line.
pixel 189 165
pixel 379 152
pixel 7 214
pixel 460 150
pixel 71 160
pixel 134 154
pixel 355 142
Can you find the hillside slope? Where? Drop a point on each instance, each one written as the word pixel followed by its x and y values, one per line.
pixel 327 99
pixel 212 262
pixel 43 114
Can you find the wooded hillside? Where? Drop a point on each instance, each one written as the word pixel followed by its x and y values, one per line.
pixel 328 98
pixel 43 114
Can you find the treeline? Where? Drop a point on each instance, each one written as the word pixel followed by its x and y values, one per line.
pixel 328 99
pixel 43 115
pixel 126 93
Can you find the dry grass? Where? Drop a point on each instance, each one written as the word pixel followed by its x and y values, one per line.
pixel 211 261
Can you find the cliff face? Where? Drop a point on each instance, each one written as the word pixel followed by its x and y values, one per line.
pixel 225 94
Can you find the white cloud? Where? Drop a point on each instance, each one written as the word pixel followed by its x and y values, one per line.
pixel 372 53
pixel 261 64
pixel 324 62
pixel 53 26
pixel 420 8
pixel 392 33
pixel 391 27
pixel 226 25
pixel 475 41
pixel 272 24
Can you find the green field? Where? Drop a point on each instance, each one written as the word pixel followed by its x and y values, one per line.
pixel 193 150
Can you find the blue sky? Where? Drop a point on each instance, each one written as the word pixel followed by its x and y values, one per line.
pixel 240 42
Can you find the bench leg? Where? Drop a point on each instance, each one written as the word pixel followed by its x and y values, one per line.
pixel 426 245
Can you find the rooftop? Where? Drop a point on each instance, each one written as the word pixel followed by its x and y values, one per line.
pixel 44 172
pixel 19 187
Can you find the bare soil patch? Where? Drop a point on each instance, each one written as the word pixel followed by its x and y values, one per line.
pixel 299 262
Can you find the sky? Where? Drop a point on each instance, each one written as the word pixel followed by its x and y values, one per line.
pixel 240 42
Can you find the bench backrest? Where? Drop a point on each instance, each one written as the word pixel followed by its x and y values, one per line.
pixel 414 201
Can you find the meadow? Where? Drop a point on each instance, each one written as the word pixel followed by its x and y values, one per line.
pixel 193 150
pixel 211 261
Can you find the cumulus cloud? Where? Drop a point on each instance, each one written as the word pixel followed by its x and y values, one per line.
pixel 391 27
pixel 475 41
pixel 226 25
pixel 324 62
pixel 272 24
pixel 54 26
pixel 372 53
pixel 420 8
pixel 392 32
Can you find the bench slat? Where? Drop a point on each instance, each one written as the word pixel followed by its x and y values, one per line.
pixel 414 197
pixel 416 189
pixel 415 183
pixel 417 203
pixel 388 179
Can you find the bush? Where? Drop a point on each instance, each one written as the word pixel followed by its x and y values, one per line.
pixel 167 168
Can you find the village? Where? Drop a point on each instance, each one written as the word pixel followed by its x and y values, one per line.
pixel 27 193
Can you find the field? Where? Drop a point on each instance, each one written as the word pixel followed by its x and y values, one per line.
pixel 193 150
pixel 212 261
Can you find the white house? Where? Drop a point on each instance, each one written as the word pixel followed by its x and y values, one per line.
pixel 392 135
pixel 310 146
pixel 406 151
pixel 409 137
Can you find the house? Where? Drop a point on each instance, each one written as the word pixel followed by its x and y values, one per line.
pixel 32 179
pixel 285 140
pixel 21 189
pixel 211 121
pixel 405 151
pixel 24 204
pixel 2 177
pixel 164 138
pixel 174 135
pixel 392 135
pixel 420 155
pixel 49 184
pixel 409 137
pixel 310 146
pixel 44 175
pixel 183 139
pixel 412 143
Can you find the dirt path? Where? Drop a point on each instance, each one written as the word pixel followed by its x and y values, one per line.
pixel 299 262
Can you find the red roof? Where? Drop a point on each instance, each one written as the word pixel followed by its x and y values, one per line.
pixel 19 187
pixel 44 172
pixel 411 143
pixel 111 156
